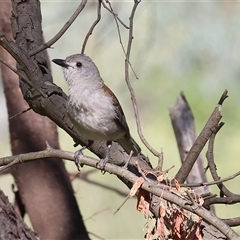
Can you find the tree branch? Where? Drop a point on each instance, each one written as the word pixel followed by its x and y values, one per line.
pixel 61 32
pixel 21 58
pixel 92 27
pixel 232 222
pixel 200 142
pixel 113 13
pixel 134 102
pixel 212 165
pixel 221 180
pixel 157 189
pixel 184 129
pixel 24 79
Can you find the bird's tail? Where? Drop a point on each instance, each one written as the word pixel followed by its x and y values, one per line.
pixel 129 145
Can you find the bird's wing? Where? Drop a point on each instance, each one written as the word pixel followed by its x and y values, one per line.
pixel 120 117
pixel 127 142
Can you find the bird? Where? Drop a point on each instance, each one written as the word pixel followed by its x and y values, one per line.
pixel 93 108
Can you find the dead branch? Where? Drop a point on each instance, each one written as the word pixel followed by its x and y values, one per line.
pixel 85 176
pixel 221 180
pixel 184 128
pixel 232 222
pixel 223 200
pixel 200 142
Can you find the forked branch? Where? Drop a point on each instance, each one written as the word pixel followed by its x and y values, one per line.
pixel 157 189
pixel 201 140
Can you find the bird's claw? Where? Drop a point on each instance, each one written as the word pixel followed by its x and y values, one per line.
pixel 77 157
pixel 101 164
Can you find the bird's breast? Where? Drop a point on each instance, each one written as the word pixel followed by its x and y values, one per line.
pixel 94 116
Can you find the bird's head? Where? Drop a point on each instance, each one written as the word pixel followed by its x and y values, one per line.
pixel 79 68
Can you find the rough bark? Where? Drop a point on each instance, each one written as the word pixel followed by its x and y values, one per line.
pixel 11 224
pixel 44 186
pixel 41 94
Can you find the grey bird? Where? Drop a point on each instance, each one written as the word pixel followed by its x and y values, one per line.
pixel 92 107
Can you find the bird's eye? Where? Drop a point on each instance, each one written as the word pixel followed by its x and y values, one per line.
pixel 78 64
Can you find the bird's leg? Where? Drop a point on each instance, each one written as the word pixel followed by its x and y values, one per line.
pixel 78 153
pixel 102 162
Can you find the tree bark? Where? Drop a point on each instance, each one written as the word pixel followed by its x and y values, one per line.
pixel 44 186
pixel 47 99
pixel 11 224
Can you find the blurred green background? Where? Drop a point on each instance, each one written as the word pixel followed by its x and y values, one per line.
pixel 178 46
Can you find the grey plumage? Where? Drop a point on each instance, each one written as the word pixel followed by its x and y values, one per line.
pixel 92 106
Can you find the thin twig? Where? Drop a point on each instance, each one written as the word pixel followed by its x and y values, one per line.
pixel 16 115
pixel 189 194
pixel 211 183
pixel 93 26
pixel 142 173
pixel 95 236
pixel 110 9
pixel 9 66
pixel 8 165
pixel 223 97
pixel 212 166
pixel 85 176
pixel 96 213
pixel 61 32
pixel 119 36
pixel 223 200
pixel 160 160
pixel 134 102
pixel 121 205
pixel 26 157
pixel 118 29
pixel 128 160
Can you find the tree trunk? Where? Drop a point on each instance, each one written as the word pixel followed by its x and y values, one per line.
pixel 44 186
pixel 11 224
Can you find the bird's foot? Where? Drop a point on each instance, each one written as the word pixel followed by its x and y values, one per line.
pixel 79 153
pixel 102 163
pixel 77 157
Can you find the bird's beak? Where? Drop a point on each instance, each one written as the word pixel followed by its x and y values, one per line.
pixel 61 63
